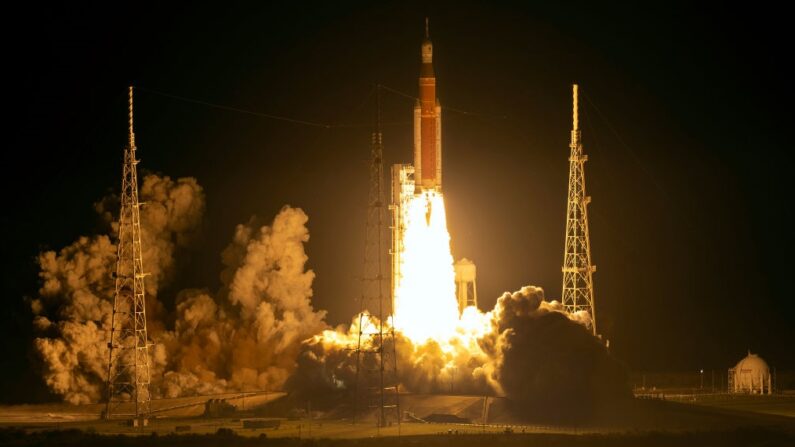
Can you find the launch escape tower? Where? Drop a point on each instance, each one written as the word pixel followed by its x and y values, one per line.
pixel 376 363
pixel 128 348
pixel 577 294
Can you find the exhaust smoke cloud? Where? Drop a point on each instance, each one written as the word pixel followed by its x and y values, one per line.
pixel 246 336
pixel 528 349
pixel 249 335
pixel 260 331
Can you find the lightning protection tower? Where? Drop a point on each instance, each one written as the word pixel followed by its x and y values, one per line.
pixel 577 294
pixel 128 348
pixel 376 385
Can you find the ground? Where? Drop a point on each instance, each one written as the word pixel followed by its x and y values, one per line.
pixel 726 438
pixel 782 405
pixel 720 420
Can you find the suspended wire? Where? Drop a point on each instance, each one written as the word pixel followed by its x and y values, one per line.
pixel 356 110
pixel 627 147
pixel 366 99
pixel 317 124
pixel 516 129
pixel 275 117
pixel 239 110
pixel 611 230
pixel 399 93
pixel 451 109
pixel 663 194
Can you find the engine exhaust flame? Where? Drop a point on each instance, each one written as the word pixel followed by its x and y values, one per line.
pixel 425 302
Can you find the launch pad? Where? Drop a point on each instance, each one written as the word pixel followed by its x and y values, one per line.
pixel 432 312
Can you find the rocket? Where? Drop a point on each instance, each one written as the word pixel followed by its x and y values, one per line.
pixel 427 126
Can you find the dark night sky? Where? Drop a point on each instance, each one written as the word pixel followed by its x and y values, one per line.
pixel 686 121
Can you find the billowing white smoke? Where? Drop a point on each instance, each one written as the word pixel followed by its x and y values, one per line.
pixel 260 330
pixel 245 337
pixel 251 341
pixel 526 348
pixel 73 309
pixel 73 313
pixel 549 363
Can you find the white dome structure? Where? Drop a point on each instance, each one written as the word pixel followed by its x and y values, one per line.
pixel 751 375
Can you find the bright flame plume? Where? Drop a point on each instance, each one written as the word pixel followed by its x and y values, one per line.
pixel 425 301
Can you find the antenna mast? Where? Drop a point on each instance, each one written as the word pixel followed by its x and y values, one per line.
pixel 577 294
pixel 128 348
pixel 376 362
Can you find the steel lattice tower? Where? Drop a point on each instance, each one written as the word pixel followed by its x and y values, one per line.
pixel 376 364
pixel 577 294
pixel 128 349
